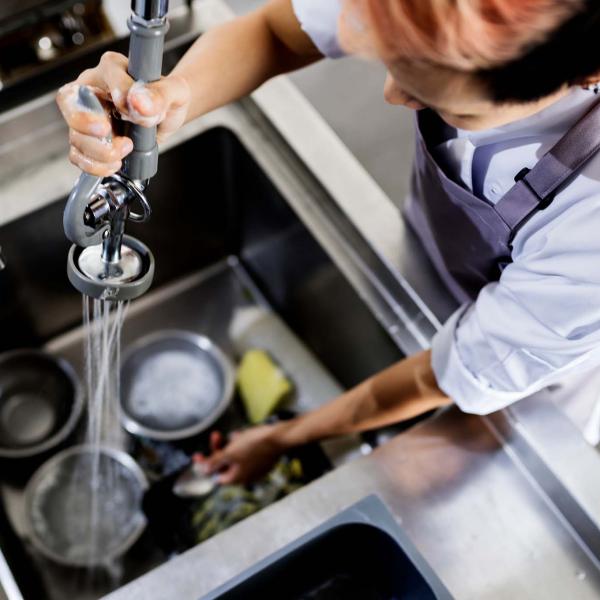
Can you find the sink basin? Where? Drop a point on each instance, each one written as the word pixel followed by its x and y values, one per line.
pixel 225 238
pixel 210 200
pixel 361 554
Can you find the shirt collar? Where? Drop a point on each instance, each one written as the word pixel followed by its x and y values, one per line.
pixel 555 119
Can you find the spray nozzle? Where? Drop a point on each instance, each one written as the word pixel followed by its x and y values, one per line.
pixel 104 262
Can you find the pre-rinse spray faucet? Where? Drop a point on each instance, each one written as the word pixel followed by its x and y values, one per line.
pixel 104 262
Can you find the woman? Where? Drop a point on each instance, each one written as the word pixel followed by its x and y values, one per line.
pixel 505 193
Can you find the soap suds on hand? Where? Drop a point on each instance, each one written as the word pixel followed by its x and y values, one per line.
pixel 116 95
pixel 139 89
pixel 70 98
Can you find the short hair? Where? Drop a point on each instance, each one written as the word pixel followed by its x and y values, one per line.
pixel 522 50
pixel 569 56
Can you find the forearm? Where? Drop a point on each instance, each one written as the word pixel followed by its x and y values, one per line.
pixel 403 391
pixel 234 59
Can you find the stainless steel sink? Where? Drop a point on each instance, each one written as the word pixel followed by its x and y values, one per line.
pixel 360 554
pixel 224 238
pixel 210 201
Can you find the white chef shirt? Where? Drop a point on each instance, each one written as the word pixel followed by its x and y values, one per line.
pixel 540 323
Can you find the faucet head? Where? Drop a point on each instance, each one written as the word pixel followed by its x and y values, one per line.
pixel 104 263
pixel 124 279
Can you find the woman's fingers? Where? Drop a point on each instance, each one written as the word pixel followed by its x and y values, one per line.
pixel 163 102
pixel 79 118
pixel 110 82
pixel 179 104
pixel 101 150
pixel 91 166
pixel 230 474
pixel 198 458
pixel 150 99
pixel 146 106
pixel 217 462
pixel 110 77
pixel 216 441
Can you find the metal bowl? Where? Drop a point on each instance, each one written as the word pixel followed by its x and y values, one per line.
pixel 67 525
pixel 174 385
pixel 40 403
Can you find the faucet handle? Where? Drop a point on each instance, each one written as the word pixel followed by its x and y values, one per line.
pixel 148 25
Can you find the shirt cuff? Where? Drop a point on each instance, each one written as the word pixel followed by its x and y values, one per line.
pixel 457 381
pixel 319 19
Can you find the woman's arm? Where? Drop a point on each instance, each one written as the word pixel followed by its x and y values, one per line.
pixel 225 64
pixel 231 61
pixel 403 391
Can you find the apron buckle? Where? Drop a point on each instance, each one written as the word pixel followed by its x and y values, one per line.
pixel 543 203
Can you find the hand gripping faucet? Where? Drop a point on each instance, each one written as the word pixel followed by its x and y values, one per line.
pixel 104 262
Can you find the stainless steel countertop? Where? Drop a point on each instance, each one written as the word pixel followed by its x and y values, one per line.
pixel 470 503
pixel 476 519
pixel 8 585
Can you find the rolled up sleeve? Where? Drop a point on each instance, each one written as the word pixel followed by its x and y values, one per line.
pixel 538 324
pixel 319 19
pixel 461 380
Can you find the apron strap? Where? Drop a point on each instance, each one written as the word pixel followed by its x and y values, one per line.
pixel 535 189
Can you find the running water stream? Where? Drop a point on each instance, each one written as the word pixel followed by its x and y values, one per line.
pixel 102 321
pixel 87 508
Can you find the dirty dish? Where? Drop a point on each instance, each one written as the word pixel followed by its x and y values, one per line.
pixel 40 403
pixel 195 482
pixel 175 384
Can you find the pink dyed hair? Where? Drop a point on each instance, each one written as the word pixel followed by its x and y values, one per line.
pixel 461 34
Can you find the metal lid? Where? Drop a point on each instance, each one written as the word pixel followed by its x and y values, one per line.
pixel 127 269
pixel 91 283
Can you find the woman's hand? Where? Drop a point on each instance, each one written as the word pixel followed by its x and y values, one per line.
pixel 164 103
pixel 248 456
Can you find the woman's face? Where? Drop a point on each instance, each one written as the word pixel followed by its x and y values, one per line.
pixel 457 96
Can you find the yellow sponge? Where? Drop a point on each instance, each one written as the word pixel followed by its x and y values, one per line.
pixel 262 385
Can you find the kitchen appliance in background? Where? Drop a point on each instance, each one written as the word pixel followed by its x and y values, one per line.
pixel 43 45
pixel 38 34
pixel 32 68
pixel 46 43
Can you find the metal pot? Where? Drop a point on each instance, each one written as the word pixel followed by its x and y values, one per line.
pixel 162 391
pixel 59 506
pixel 41 402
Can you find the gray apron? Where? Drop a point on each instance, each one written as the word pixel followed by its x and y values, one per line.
pixel 468 238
